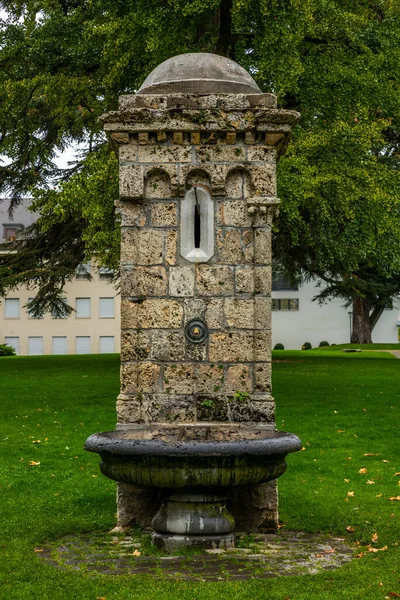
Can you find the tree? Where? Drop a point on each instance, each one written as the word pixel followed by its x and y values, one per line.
pixel 65 62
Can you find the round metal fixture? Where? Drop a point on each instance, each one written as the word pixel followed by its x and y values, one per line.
pixel 196 331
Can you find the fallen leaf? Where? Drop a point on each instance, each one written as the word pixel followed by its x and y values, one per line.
pixel 38 549
pixel 370 482
pixel 393 595
pixel 378 549
pixel 346 480
pixel 136 553
pixel 395 498
pixel 303 448
pixel 36 441
pixel 396 474
pixel 363 471
pixel 330 551
pixel 372 454
pixel 350 529
pixel 32 463
pixel 101 598
pixel 360 555
pixel 350 494
pixel 385 461
pixel 374 537
pixel 341 430
pixel 378 495
pixel 364 410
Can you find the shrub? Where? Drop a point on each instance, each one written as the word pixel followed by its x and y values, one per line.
pixel 323 343
pixel 6 350
pixel 279 347
pixel 306 346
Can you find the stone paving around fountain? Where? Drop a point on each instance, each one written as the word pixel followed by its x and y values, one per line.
pixel 289 553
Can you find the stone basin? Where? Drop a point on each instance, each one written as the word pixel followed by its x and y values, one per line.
pixel 194 467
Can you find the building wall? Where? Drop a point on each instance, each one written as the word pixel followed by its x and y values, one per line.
pixel 95 327
pixel 313 322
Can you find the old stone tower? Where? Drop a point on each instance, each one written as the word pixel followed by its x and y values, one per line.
pixel 198 146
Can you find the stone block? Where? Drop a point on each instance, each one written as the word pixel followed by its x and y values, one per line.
pixel 212 407
pixel 262 246
pixel 164 154
pixel 120 138
pixel 233 346
pixel 179 379
pixel 262 377
pixel 261 504
pixel 231 137
pixel 143 137
pixel 262 313
pixel 244 280
pixel 177 137
pixel 171 246
pixel 157 184
pixel 238 379
pixel 254 412
pixel 249 137
pixel 262 280
pixel 128 411
pixel 136 507
pixel 130 181
pixel 229 242
pixel 195 308
pixel 210 378
pixel 271 139
pixel 161 136
pixel 263 178
pixel 238 184
pixel 128 152
pixel 214 315
pixel 144 281
pixel 139 377
pixel 262 346
pixel 261 154
pixel 196 352
pixel 135 345
pixel 151 314
pixel 239 313
pixel 195 137
pixel 168 346
pixel 132 213
pixel 248 245
pixel 142 246
pixel 163 214
pixel 167 408
pixel 181 281
pixel 214 280
pixel 233 213
pixel 219 153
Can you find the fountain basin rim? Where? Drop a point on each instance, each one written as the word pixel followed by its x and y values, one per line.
pixel 113 443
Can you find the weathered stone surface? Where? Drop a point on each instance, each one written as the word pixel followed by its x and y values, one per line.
pixel 244 280
pixel 128 410
pixel 219 153
pixel 262 507
pixel 196 352
pixel 262 246
pixel 135 345
pixel 169 408
pixel 235 346
pixel 262 280
pixel 163 214
pixel 139 377
pixel 130 181
pixel 181 281
pixel 214 314
pixel 229 242
pixel 262 377
pixel 151 314
pixel 128 152
pixel 136 507
pixel 214 280
pixel 248 246
pixel 132 213
pixel 179 379
pixel 168 346
pixel 157 184
pixel 171 250
pixel 142 246
pixel 167 154
pixel 238 379
pixel 195 308
pixel 263 179
pixel 239 313
pixel 233 213
pixel 144 281
pixel 262 313
pixel 261 154
pixel 254 412
pixel 262 343
pixel 210 378
pixel 238 184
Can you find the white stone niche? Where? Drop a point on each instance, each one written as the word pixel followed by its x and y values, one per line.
pixel 197 225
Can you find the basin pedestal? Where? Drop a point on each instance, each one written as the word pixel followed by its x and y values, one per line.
pixel 193 519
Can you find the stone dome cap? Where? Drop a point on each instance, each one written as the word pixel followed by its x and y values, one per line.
pixel 199 73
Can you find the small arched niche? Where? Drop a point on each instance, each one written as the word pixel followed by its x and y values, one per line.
pixel 238 184
pixel 197 225
pixel 157 184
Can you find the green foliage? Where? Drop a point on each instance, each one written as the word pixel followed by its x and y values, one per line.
pixel 241 396
pixel 6 350
pixel 306 346
pixel 279 347
pixel 323 343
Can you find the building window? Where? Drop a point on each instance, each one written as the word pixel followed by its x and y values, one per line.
pixel 13 342
pixel 106 308
pixel 55 316
pixel 11 308
pixel 82 344
pixel 106 273
pixel 106 344
pixel 83 271
pixel 35 345
pixel 59 344
pixel 30 314
pixel 280 281
pixel 285 304
pixel 82 308
pixel 11 232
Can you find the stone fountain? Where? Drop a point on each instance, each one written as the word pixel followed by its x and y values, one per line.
pixel 195 447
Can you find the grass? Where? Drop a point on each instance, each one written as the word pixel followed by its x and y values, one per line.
pixel 345 408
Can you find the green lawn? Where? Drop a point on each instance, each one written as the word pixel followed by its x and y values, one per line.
pixel 343 406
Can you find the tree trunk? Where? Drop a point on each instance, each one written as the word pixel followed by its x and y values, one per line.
pixel 361 331
pixel 223 46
